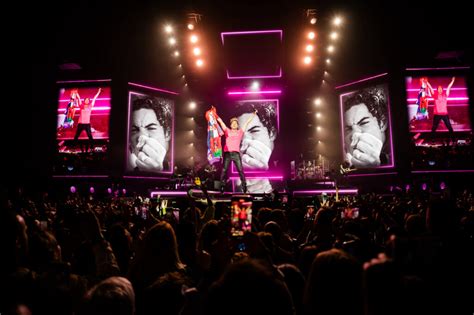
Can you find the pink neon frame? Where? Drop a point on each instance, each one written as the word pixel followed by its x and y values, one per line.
pixel 128 129
pixel 327 191
pixel 223 34
pixel 361 80
pixel 233 171
pixel 392 153
pixel 152 88
pixel 254 92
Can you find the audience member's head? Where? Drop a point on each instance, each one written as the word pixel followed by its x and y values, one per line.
pixel 114 295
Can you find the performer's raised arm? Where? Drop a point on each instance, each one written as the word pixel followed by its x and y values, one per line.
pixel 430 89
pixel 95 97
pixel 221 122
pixel 249 120
pixel 448 89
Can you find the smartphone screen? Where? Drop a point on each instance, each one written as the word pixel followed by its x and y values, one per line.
pixel 241 215
pixel 310 212
pixel 176 214
pixel 350 213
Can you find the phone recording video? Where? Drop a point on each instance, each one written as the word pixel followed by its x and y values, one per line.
pixel 310 212
pixel 350 213
pixel 241 215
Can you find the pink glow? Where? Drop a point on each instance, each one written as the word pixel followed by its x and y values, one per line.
pixel 85 81
pixel 223 34
pixel 327 191
pixel 443 171
pixel 128 132
pixel 449 99
pixel 254 76
pixel 233 170
pixel 258 177
pixel 362 80
pixel 253 92
pixel 98 108
pixel 167 193
pixel 452 89
pixel 447 68
pixel 152 88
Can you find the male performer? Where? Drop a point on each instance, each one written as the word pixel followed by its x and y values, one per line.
pixel 233 138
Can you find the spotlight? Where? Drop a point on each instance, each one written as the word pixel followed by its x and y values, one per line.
pixel 313 21
pixel 183 76
pixel 191 144
pixel 124 191
pixel 176 53
pixel 185 84
pixel 319 141
pixel 197 51
pixel 325 73
pixel 337 21
pixel 168 29
pixel 309 48
pixel 318 128
pixel 72 189
pixel 317 101
pixel 318 115
pixel 190 26
pixel 328 61
pixel 330 48
pixel 194 39
pixel 255 85
pixel 442 186
pixel 92 190
pixel 109 190
pixel 311 35
pixel 180 65
pixel 199 63
pixel 307 60
pixel 172 41
pixel 334 35
pixel 192 105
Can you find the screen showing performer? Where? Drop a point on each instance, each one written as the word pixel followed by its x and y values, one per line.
pixel 150 133
pixel 445 105
pixel 438 119
pixel 365 123
pixel 83 119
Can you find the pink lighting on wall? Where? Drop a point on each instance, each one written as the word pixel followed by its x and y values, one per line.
pixel 152 88
pixel 254 92
pixel 255 76
pixel 223 34
pixel 362 80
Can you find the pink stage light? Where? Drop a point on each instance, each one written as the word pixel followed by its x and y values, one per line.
pixel 362 80
pixel 447 68
pixel 279 75
pixel 254 92
pixel 80 176
pixel 443 171
pixel 166 193
pixel 152 88
pixel 85 81
pixel 372 174
pixel 325 191
pixel 449 99
pixel 258 177
pixel 223 34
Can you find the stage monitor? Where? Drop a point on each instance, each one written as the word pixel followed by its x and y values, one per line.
pixel 439 120
pixel 82 127
pixel 150 131
pixel 365 123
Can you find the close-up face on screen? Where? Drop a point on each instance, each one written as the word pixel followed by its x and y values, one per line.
pixel 366 127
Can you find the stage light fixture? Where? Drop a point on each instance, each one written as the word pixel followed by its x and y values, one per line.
pixel 313 20
pixel 172 41
pixel 199 63
pixel 176 53
pixel 334 35
pixel 337 21
pixel 194 39
pixel 190 26
pixel 168 29
pixel 328 61
pixel 255 85
pixel 330 48
pixel 311 35
pixel 196 51
pixel 180 65
pixel 317 101
pixel 318 115
pixel 192 105
pixel 307 60
pixel 318 128
pixel 309 48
